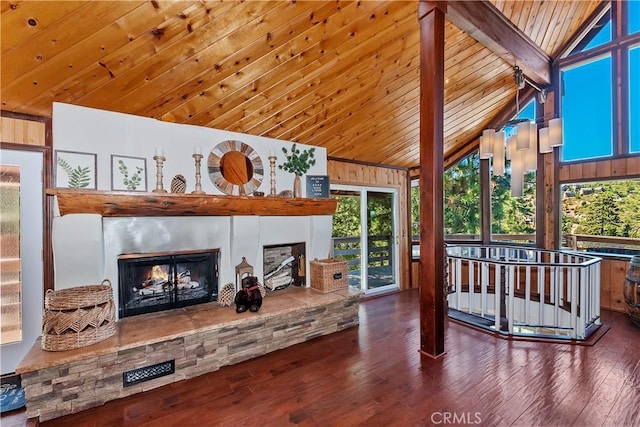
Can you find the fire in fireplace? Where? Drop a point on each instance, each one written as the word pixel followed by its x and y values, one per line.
pixel 156 282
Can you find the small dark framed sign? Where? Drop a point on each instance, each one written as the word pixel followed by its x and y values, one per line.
pixel 318 186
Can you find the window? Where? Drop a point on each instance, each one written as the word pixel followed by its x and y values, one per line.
pixel 415 217
pixel 462 199
pixel 589 101
pixel 634 16
pixel 513 218
pixel 602 216
pixel 634 99
pixel 602 36
pixel 587 110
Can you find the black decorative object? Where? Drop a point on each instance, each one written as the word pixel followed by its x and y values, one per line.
pixel 318 186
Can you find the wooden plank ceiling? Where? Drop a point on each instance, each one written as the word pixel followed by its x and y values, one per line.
pixel 341 75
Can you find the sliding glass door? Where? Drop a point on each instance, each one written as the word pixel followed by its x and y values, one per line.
pixel 364 233
pixel 381 238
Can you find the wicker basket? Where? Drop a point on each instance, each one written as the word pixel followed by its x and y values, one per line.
pixel 328 275
pixel 78 317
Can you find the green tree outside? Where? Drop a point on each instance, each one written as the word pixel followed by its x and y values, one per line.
pixel 608 208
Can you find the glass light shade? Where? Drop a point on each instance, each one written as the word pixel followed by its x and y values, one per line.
pixel 531 154
pixel 531 157
pixel 486 143
pixel 517 173
pixel 544 141
pixel 498 153
pixel 555 132
pixel 523 136
pixel 482 149
pixel 511 146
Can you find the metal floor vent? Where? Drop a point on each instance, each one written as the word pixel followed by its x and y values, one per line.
pixel 147 373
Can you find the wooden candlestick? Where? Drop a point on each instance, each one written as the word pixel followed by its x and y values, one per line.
pixel 198 158
pixel 272 166
pixel 159 162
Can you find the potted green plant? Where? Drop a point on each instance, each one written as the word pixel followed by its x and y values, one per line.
pixel 298 163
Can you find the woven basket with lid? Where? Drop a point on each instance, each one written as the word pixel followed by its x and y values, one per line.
pixel 328 275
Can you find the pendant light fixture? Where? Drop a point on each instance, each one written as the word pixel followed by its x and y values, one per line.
pixel 523 145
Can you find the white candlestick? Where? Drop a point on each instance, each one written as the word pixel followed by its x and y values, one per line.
pixel 272 153
pixel 197 150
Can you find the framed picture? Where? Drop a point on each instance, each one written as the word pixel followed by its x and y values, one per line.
pixel 128 173
pixel 75 169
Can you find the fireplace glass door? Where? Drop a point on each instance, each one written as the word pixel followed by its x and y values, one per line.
pixel 149 283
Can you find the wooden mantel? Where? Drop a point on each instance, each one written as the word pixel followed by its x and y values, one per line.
pixel 125 204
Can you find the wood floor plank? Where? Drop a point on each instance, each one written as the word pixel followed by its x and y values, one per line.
pixel 374 375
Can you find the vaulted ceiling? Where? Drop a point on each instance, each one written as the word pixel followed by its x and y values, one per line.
pixel 341 75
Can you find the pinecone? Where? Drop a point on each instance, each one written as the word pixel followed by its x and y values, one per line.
pixel 227 294
pixel 178 184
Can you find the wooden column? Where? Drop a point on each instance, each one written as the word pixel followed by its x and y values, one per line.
pixel 432 296
pixel 485 201
pixel 548 205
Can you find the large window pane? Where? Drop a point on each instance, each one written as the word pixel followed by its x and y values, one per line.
pixel 513 218
pixel 602 36
pixel 587 110
pixel 347 229
pixel 634 98
pixel 602 216
pixel 599 35
pixel 462 199
pixel 415 218
pixel 634 16
pixel 380 235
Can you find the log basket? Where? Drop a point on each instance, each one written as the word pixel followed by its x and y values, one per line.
pixel 78 317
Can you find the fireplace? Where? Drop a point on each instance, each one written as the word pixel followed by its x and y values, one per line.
pixel 163 281
pixel 284 265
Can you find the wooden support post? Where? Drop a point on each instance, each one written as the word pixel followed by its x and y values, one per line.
pixel 485 201
pixel 548 206
pixel 432 296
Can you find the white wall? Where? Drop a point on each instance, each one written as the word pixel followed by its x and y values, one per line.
pixel 86 247
pixel 105 133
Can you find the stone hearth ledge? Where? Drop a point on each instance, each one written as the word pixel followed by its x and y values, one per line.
pixel 200 338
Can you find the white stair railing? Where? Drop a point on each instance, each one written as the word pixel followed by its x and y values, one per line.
pixel 522 291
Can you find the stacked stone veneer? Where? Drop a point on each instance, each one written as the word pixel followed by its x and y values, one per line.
pixel 70 387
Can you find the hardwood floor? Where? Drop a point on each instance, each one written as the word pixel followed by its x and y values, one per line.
pixel 374 376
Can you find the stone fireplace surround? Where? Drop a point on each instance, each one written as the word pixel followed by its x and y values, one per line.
pixel 199 339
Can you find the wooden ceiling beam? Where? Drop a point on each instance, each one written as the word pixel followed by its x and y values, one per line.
pixel 484 22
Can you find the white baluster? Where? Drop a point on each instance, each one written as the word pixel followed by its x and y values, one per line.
pixel 510 286
pixel 574 307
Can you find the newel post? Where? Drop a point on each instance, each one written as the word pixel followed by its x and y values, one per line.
pixel 431 16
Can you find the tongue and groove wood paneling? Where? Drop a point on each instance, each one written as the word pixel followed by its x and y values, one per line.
pixel 339 74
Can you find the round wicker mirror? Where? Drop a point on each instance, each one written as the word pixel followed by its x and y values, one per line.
pixel 235 168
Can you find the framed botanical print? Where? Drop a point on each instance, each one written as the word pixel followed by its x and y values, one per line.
pixel 75 169
pixel 128 173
